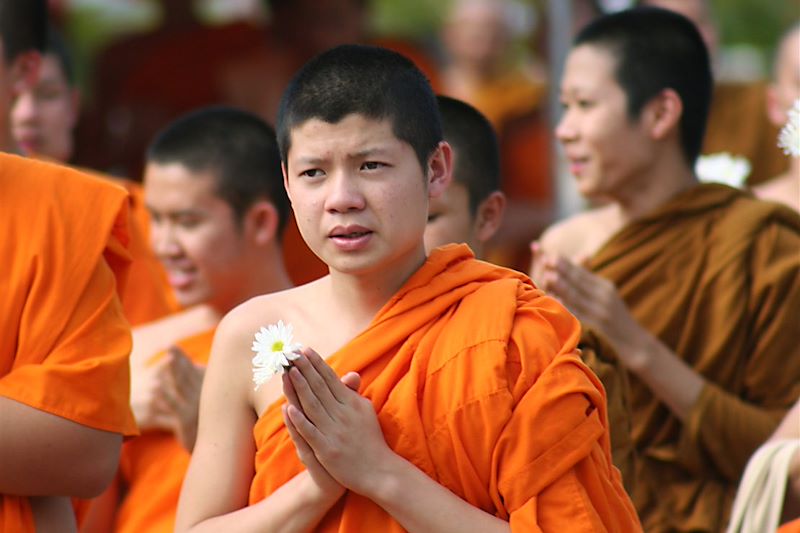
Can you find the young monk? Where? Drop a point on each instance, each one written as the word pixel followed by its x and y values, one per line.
pixel 694 288
pixel 470 209
pixel 64 342
pixel 463 420
pixel 214 189
pixel 782 95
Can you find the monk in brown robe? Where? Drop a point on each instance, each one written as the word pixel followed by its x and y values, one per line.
pixel 430 412
pixel 695 288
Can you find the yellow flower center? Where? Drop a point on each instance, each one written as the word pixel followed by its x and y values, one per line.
pixel 277 346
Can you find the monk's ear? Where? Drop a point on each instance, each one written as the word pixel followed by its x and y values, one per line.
pixel 261 222
pixel 663 113
pixel 489 216
pixel 440 169
pixel 24 71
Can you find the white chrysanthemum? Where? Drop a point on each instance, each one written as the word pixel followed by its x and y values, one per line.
pixel 274 351
pixel 722 168
pixel 789 137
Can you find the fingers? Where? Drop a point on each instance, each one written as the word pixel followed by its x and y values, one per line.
pixel 306 432
pixel 352 380
pixel 310 403
pixel 327 373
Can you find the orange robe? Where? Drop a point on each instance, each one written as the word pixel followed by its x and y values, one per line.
pixel 475 379
pixel 715 275
pixel 64 343
pixel 153 466
pixel 790 527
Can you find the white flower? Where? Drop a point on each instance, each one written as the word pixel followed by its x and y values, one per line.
pixel 274 351
pixel 722 168
pixel 789 137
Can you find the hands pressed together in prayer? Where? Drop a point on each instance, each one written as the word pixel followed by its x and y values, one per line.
pixel 334 429
pixel 165 394
pixel 596 302
pixel 593 299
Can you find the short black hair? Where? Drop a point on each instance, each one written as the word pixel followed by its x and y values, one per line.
pixel 657 49
pixel 475 149
pixel 23 26
pixel 57 47
pixel 367 80
pixel 238 147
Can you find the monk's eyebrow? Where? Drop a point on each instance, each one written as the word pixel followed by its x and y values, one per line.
pixel 371 152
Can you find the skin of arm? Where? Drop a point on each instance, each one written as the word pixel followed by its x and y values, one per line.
pixel 595 301
pixel 215 491
pixel 341 428
pixel 48 455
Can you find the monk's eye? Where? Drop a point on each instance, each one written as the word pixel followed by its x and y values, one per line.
pixel 372 165
pixel 312 173
pixel 433 216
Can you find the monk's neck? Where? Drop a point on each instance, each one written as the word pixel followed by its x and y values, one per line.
pixel 658 185
pixel 361 296
pixel 263 277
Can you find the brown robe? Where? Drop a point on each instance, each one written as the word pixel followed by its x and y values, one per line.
pixel 715 275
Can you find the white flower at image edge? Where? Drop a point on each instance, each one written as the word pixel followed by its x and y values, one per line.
pixel 722 168
pixel 274 351
pixel 789 137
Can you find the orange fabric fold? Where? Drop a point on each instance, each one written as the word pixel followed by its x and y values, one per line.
pixel 153 466
pixel 474 377
pixel 64 342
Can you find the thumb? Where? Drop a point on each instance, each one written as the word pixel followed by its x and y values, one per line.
pixel 352 380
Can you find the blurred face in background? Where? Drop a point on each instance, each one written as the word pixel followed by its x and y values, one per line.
pixel 44 116
pixel 785 88
pixel 477 33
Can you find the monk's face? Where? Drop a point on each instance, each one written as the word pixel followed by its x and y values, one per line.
pixel 194 234
pixel 786 87
pixel 607 151
pixel 359 194
pixel 44 116
pixel 450 219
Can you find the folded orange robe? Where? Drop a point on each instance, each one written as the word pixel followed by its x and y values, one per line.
pixel 64 342
pixel 715 275
pixel 475 379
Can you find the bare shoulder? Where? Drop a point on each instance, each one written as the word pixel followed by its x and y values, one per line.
pixel 582 234
pixel 244 320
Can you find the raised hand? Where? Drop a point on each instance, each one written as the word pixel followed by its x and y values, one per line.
pixel 338 425
pixel 326 483
pixel 184 381
pixel 593 299
pixel 165 395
